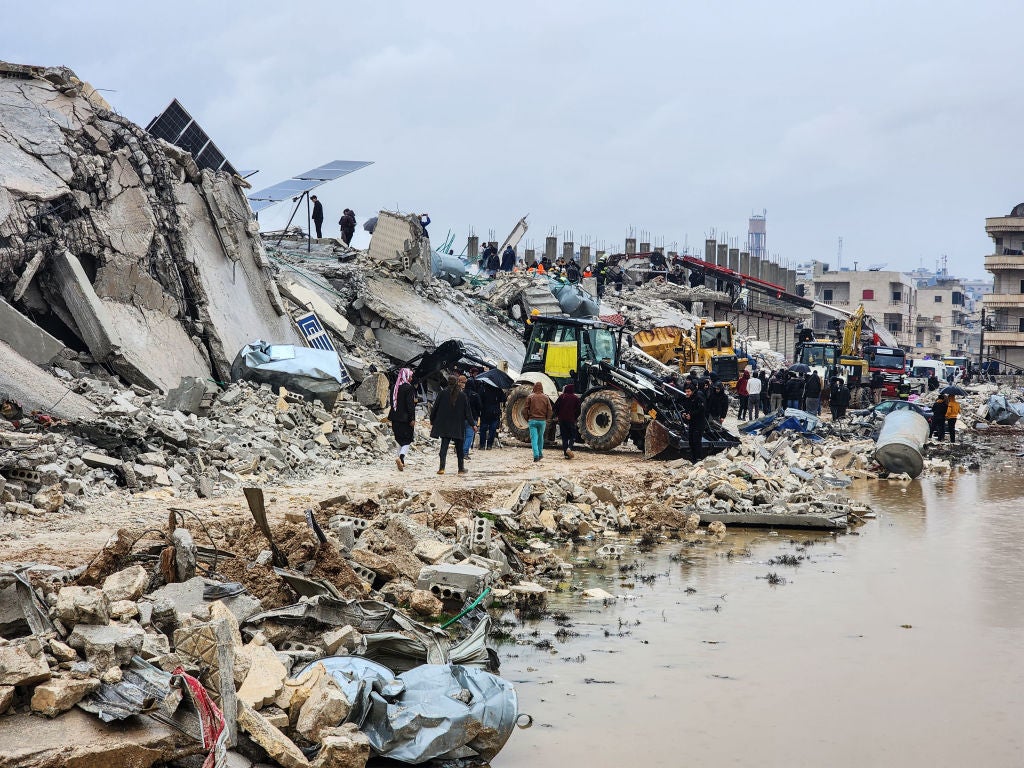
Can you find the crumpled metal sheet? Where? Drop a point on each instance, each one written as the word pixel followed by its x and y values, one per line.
pixel 1002 411
pixel 446 711
pixel 430 712
pixel 314 373
pixel 143 689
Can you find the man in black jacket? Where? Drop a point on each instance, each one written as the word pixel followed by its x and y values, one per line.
pixel 508 259
pixel 696 419
pixel 347 222
pixel 475 408
pixel 794 390
pixel 491 400
pixel 718 403
pixel 318 216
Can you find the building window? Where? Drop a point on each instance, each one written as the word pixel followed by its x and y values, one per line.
pixel 868 294
pixel 938 299
pixel 958 298
pixel 895 327
pixel 1022 286
pixel 897 296
pixel 938 337
pixel 1020 325
pixel 826 295
pixel 937 318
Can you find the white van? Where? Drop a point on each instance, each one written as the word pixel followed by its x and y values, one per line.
pixel 923 369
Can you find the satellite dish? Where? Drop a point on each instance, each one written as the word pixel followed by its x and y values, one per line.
pixel 877 267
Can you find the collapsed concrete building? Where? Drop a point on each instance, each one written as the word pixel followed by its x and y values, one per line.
pixel 116 249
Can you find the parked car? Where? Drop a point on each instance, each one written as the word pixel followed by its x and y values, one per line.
pixel 888 406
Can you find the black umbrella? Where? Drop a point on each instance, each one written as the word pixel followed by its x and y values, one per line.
pixel 496 378
pixel 370 224
pixel 953 389
pixel 800 368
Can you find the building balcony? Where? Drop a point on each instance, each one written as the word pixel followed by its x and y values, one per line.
pixel 1005 338
pixel 1000 225
pixel 835 302
pixel 995 262
pixel 1004 300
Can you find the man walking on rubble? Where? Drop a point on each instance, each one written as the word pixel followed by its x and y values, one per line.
pixel 318 216
pixel 793 390
pixel 449 418
pixel 696 420
pixel 877 387
pixel 347 222
pixel 491 400
pixel 567 410
pixel 776 387
pixel 741 395
pixel 538 413
pixel 812 393
pixel 718 402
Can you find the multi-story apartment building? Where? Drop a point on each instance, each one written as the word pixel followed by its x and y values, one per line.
pixel 942 322
pixel 886 295
pixel 1004 307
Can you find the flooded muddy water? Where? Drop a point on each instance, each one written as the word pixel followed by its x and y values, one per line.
pixel 900 645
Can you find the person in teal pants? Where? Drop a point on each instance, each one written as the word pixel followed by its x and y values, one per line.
pixel 539 413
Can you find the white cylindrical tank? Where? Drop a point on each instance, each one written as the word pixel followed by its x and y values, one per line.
pixel 898 448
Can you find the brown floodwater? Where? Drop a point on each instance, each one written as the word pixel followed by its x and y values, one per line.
pixel 901 645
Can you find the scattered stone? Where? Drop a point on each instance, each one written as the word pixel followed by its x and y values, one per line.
pixel 60 694
pixel 83 605
pixel 343 747
pixel 279 747
pixel 265 678
pixel 107 646
pixel 19 666
pixel 345 638
pixel 128 584
pixel 423 603
pixel 324 707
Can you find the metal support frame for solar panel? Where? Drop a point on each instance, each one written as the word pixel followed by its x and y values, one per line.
pixel 299 187
pixel 177 126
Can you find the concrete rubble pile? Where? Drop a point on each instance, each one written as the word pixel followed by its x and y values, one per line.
pixel 196 441
pixel 116 249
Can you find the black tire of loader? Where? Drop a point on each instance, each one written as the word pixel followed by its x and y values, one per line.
pixel 515 420
pixel 613 404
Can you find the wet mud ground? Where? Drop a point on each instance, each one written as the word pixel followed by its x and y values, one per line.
pixel 899 645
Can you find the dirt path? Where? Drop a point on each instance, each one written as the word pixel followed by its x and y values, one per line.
pixel 68 538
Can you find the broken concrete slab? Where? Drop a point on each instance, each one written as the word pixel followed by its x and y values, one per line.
pixel 127 584
pixel 265 678
pixel 107 646
pixel 81 740
pixel 26 383
pixel 325 707
pixel 279 747
pixel 27 338
pixel 308 298
pixel 83 605
pixel 343 747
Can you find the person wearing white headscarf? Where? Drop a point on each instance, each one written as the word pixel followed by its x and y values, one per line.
pixel 403 414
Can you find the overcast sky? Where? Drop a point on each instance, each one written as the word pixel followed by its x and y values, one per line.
pixel 894 125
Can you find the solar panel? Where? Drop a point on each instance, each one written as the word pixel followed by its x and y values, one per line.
pixel 303 182
pixel 176 126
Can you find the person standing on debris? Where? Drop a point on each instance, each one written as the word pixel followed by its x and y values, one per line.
pixel 475 406
pixel 491 400
pixel 425 222
pixel 718 402
pixel 347 222
pixel 793 391
pixel 493 263
pixel 933 381
pixel 877 387
pixel 318 216
pixel 538 412
pixel 842 400
pixel 952 413
pixel 448 420
pixel 567 411
pixel 403 414
pixel 696 420
pixel 741 395
pixel 833 396
pixel 508 259
pixel 754 396
pixel 775 390
pixel 812 393
pixel 939 410
pixel 765 394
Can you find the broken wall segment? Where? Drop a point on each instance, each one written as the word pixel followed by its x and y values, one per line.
pixel 400 243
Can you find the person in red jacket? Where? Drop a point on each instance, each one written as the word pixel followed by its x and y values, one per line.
pixel 567 411
pixel 742 394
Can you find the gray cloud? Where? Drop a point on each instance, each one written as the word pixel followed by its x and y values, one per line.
pixel 892 125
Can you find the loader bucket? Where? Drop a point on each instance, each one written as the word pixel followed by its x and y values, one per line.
pixel 656 439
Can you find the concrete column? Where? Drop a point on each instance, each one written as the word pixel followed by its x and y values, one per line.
pixel 644 248
pixel 744 259
pixel 530 256
pixel 473 248
pixel 734 259
pixel 568 250
pixel 755 266
pixel 551 248
pixel 790 281
pixel 585 255
pixel 709 251
pixel 630 245
pixel 722 257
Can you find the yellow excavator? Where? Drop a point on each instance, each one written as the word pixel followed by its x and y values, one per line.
pixel 707 346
